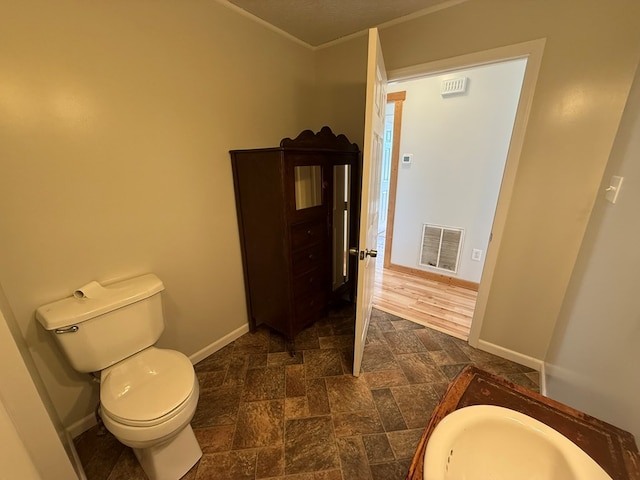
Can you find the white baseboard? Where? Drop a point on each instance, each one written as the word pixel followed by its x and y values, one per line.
pixel 79 427
pixel 512 355
pixel 520 358
pixel 543 379
pixel 218 344
pixel 84 424
pixel 77 464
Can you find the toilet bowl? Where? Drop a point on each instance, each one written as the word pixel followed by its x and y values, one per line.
pixel 147 402
pixel 148 395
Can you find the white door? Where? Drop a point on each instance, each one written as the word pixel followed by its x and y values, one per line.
pixel 376 101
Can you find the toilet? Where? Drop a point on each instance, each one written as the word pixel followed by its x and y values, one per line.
pixel 148 395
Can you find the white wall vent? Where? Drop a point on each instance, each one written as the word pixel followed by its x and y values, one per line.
pixel 441 247
pixel 453 86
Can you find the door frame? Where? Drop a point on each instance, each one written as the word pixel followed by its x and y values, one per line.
pixel 397 98
pixel 532 50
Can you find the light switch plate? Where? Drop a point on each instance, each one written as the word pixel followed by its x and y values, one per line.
pixel 613 189
pixel 476 254
pixel 407 158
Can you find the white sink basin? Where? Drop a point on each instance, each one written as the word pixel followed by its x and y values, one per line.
pixel 485 442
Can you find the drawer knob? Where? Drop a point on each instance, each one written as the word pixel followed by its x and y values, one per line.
pixel 309 232
pixel 312 256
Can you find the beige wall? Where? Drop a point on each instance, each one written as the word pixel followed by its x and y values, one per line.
pixel 593 358
pixel 115 123
pixel 590 56
pixel 339 101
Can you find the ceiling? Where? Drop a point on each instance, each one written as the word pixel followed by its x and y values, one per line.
pixel 316 22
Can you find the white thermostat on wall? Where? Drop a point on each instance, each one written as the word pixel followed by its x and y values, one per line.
pixel 407 158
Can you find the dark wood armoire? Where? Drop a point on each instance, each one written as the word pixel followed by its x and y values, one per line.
pixel 297 207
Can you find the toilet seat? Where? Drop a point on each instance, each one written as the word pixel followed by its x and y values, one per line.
pixel 147 388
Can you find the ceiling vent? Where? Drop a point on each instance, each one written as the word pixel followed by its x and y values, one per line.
pixel 453 86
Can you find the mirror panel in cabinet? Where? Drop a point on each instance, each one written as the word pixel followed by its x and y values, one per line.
pixel 308 186
pixel 341 224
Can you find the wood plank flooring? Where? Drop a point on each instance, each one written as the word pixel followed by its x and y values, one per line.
pixel 442 307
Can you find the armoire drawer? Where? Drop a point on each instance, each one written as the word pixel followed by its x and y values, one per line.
pixel 309 259
pixel 309 233
pixel 309 307
pixel 310 281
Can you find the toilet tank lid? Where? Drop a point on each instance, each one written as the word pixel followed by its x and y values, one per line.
pixel 75 309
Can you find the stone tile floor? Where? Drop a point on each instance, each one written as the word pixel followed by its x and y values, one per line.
pixel 264 414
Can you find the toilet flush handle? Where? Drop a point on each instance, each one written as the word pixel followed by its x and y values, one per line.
pixel 71 329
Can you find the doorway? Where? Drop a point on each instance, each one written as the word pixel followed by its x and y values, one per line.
pixel 447 138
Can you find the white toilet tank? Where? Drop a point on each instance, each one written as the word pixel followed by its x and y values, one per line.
pixel 108 324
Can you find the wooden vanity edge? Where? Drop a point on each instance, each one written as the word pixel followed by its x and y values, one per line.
pixel 459 385
pixel 447 404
